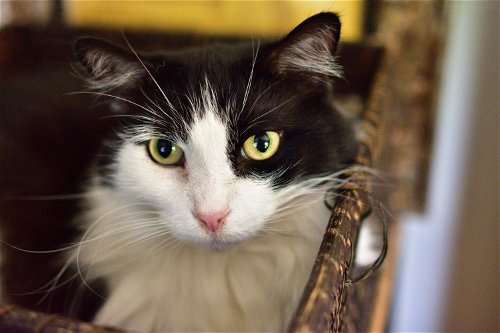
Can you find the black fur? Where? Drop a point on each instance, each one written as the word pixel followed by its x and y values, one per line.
pixel 316 139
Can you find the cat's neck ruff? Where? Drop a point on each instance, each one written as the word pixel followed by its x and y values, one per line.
pixel 254 285
pixel 207 207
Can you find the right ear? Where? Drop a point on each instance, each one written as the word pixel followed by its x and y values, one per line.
pixel 309 50
pixel 111 67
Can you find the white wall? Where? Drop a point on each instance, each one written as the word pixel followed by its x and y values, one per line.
pixel 448 272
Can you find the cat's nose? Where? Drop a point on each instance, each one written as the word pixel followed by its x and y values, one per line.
pixel 212 220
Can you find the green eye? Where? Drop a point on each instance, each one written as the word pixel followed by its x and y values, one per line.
pixel 262 145
pixel 164 151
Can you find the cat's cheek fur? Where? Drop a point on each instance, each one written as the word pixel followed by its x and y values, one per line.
pixel 250 202
pixel 252 205
pixel 143 229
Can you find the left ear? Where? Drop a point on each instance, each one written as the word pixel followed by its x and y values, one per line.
pixel 110 66
pixel 309 50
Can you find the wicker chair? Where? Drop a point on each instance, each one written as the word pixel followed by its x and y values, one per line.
pixel 331 302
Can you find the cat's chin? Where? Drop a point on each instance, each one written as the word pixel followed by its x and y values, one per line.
pixel 218 243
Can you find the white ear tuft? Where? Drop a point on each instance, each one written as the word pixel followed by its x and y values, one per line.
pixel 311 54
pixel 110 66
pixel 310 48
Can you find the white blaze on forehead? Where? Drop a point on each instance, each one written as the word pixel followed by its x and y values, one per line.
pixel 209 170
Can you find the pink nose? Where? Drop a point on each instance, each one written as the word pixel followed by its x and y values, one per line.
pixel 212 220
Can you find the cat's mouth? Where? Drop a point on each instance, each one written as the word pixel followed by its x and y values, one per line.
pixel 216 230
pixel 220 241
pixel 218 245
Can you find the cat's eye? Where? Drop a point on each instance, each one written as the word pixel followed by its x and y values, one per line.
pixel 165 152
pixel 262 145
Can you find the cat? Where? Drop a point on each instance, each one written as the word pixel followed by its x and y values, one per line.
pixel 204 211
pixel 205 207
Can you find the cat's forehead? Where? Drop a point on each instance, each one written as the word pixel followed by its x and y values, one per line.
pixel 217 62
pixel 226 81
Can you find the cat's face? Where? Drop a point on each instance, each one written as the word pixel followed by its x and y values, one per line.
pixel 215 139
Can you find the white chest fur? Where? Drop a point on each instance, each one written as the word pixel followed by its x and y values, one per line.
pixel 158 285
pixel 166 273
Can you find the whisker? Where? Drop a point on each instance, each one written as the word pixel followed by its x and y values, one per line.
pixel 108 95
pixel 151 101
pixel 249 84
pixel 46 197
pixel 149 73
pixel 259 97
pixel 37 251
pixel 87 232
pixel 255 121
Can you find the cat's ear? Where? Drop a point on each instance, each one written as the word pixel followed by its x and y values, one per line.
pixel 309 50
pixel 110 66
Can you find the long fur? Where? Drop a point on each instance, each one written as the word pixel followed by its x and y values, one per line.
pixel 254 286
pixel 140 236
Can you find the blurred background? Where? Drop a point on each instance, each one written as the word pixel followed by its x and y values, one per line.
pixel 243 18
pixel 441 136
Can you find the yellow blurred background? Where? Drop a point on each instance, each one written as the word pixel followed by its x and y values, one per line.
pixel 235 18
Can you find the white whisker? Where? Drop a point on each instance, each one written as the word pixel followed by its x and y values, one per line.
pixel 249 83
pixel 149 73
pixel 255 121
pixel 111 96
pixel 260 96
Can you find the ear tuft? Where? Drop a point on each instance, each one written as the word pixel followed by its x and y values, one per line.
pixel 310 48
pixel 110 66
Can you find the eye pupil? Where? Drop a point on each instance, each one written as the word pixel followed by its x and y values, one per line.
pixel 165 152
pixel 261 142
pixel 261 146
pixel 164 148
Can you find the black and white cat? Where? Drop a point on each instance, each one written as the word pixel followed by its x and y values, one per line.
pixel 205 208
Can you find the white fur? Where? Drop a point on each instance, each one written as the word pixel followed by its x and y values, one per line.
pixel 105 77
pixel 167 273
pixel 252 286
pixel 368 245
pixel 311 54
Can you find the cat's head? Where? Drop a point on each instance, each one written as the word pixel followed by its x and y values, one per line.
pixel 213 137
